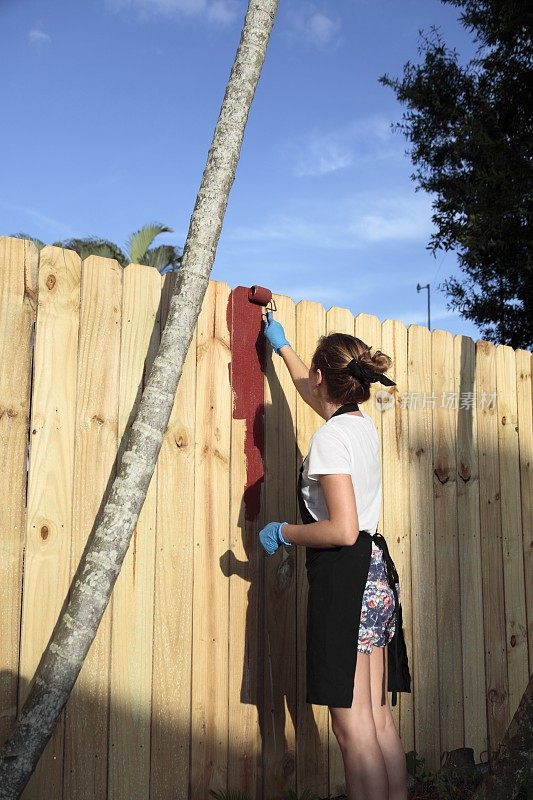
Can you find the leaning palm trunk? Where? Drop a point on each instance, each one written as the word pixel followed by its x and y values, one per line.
pixel 109 542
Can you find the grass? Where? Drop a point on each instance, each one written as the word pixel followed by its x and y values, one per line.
pixel 424 785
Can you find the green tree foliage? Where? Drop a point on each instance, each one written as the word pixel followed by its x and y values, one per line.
pixel 165 257
pixel 471 131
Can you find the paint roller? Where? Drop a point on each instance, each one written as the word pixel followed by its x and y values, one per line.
pixel 261 296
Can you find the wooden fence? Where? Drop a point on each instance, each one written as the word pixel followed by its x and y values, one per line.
pixel 195 680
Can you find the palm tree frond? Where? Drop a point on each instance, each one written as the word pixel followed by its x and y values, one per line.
pixel 37 242
pixel 165 258
pixel 94 246
pixel 139 242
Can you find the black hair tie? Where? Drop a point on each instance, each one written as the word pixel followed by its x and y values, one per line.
pixel 365 373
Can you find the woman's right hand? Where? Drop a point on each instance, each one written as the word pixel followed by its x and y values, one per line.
pixel 274 332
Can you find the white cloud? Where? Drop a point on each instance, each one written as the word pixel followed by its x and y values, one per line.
pixel 321 29
pixel 38 218
pixel 278 228
pixel 419 316
pixel 162 7
pixel 353 144
pixel 322 154
pixel 393 219
pixel 319 292
pixel 353 223
pixel 340 287
pixel 217 11
pixel 36 36
pixel 316 27
pixel 223 11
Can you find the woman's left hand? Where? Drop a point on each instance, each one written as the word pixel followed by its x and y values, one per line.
pixel 271 537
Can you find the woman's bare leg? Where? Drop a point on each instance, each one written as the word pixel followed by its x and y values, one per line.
pixel 355 730
pixel 387 735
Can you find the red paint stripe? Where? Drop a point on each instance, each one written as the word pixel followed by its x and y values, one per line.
pixel 247 343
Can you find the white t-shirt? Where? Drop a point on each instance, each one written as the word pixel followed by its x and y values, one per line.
pixel 347 445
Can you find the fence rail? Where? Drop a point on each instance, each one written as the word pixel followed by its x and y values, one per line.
pixel 195 680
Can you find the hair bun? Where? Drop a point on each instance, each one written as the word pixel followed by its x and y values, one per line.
pixel 364 373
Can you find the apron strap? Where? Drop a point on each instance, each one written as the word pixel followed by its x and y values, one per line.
pixel 392 578
pixel 346 407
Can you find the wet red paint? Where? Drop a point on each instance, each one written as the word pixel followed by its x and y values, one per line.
pixel 247 343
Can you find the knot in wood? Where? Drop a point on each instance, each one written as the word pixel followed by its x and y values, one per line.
pixel 442 473
pixel 285 572
pixel 181 438
pixel 288 765
pixel 496 697
pixel 464 472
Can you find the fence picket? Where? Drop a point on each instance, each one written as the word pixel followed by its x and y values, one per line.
pixel 446 541
pixel 524 359
pixel 173 611
pixel 424 674
pixel 19 262
pixel 50 531
pixel 245 567
pixel 340 320
pixel 497 685
pixel 279 710
pixel 512 551
pixel 468 529
pixel 210 598
pixel 396 510
pixel 133 606
pixel 313 720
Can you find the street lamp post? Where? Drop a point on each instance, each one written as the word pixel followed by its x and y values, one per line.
pixel 418 288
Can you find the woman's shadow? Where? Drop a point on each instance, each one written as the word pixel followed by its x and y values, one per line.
pixel 273 677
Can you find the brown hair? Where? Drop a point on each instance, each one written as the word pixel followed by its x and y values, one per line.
pixel 332 355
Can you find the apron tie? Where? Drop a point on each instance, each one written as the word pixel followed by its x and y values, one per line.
pixel 392 579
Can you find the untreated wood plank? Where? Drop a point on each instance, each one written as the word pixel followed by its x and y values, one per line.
pixel 244 573
pixel 96 407
pixel 468 531
pixel 445 410
pixel 209 743
pixel 338 320
pixel 133 595
pixel 173 608
pixel 497 686
pixel 524 362
pixel 425 654
pixel 368 328
pixel 313 720
pixel 49 529
pixel 278 718
pixel 18 309
pixel 396 480
pixel 512 548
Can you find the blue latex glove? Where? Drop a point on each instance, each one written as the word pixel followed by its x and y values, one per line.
pixel 271 537
pixel 274 332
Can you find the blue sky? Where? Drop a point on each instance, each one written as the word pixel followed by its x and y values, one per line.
pixel 110 106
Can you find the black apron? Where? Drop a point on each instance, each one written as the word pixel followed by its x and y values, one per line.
pixel 337 578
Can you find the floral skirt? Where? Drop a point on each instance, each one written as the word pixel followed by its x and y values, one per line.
pixel 377 624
